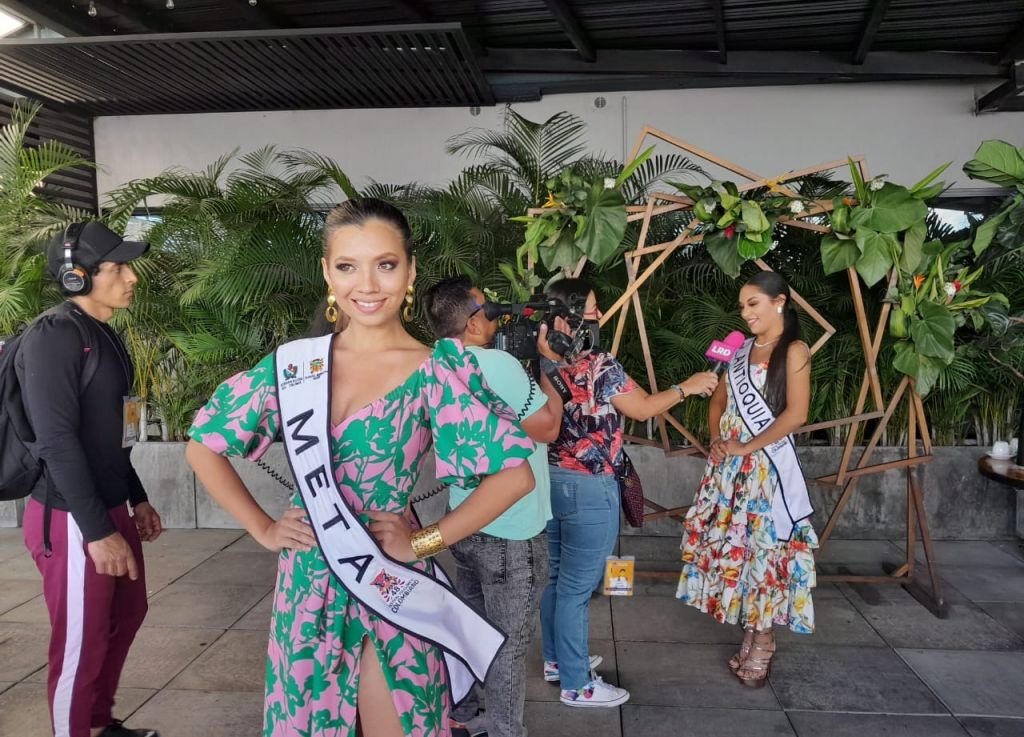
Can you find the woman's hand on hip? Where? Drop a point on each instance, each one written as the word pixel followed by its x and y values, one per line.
pixel 392 532
pixel 291 531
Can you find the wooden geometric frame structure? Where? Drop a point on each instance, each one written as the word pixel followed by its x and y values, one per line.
pixel 848 478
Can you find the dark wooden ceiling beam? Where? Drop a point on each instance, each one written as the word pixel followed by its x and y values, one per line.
pixel 717 7
pixel 811 66
pixel 1013 49
pixel 572 27
pixel 867 38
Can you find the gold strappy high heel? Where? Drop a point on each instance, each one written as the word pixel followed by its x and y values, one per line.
pixel 757 665
pixel 736 661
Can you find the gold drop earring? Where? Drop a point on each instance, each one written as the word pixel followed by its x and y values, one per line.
pixel 331 313
pixel 407 310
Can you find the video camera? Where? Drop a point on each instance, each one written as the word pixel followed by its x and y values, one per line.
pixel 518 336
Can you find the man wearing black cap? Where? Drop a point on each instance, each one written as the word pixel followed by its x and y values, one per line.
pixel 76 379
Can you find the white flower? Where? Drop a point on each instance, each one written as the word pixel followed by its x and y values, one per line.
pixel 950 289
pixel 609 183
pixel 878 182
pixel 796 207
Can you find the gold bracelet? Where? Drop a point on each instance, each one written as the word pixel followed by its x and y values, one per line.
pixel 427 542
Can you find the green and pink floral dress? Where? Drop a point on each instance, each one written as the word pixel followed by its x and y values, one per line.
pixel 318 631
pixel 734 566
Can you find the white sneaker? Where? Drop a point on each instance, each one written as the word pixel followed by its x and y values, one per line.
pixel 594 694
pixel 551 674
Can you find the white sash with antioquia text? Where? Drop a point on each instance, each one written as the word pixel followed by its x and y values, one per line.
pixel 791 502
pixel 421 604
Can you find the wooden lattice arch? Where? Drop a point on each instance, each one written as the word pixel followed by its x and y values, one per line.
pixel 846 476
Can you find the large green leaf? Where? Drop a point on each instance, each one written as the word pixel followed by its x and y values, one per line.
pixel 729 201
pixel 606 224
pixel 750 248
pixel 913 247
pixel 906 360
pixel 987 230
pixel 892 209
pixel 693 191
pixel 840 216
pixel 924 370
pixel 723 251
pixel 876 250
pixel 561 252
pixel 837 255
pixel 933 332
pixel 753 217
pixel 997 162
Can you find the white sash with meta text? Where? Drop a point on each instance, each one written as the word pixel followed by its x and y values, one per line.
pixel 418 603
pixel 792 502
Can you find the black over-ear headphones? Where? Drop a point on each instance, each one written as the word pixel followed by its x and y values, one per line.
pixel 72 278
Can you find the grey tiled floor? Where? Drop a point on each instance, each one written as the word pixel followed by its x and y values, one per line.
pixel 880 664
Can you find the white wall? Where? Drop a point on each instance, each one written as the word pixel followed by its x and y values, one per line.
pixel 904 129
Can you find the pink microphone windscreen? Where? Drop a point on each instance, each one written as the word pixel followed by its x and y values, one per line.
pixel 719 351
pixel 735 339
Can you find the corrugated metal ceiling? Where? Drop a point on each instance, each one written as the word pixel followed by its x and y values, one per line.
pixel 526 48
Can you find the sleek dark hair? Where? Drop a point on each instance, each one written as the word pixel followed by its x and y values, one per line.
pixel 357 212
pixel 773 285
pixel 448 306
pixel 571 291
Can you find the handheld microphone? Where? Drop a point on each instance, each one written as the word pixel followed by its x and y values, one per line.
pixel 720 352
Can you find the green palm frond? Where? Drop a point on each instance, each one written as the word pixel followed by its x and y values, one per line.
pixel 528 153
pixel 656 171
pixel 321 164
pixel 28 217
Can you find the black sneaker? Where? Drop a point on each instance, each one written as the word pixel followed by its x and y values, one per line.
pixel 117 729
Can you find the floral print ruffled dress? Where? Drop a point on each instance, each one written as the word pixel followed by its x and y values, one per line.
pixel 317 631
pixel 735 567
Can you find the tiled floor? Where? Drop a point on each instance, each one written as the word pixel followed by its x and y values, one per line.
pixel 880 664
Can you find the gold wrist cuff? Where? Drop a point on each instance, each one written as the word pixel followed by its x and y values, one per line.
pixel 427 542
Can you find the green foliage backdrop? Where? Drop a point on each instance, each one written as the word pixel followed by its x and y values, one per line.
pixel 234 269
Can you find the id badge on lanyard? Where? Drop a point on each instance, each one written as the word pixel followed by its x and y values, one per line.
pixel 131 414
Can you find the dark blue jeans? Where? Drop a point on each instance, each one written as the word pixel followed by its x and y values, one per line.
pixel 581 534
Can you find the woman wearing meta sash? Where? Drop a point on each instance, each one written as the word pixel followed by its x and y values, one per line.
pixel 747 541
pixel 351 651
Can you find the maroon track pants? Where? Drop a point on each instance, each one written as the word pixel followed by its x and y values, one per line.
pixel 93 619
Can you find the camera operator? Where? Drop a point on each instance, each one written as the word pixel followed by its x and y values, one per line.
pixel 502 569
pixel 585 492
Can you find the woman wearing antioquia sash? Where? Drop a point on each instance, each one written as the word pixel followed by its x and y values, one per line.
pixel 747 542
pixel 339 662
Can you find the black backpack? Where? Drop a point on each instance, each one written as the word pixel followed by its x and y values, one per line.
pixel 20 471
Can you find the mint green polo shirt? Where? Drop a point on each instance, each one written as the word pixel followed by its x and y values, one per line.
pixel 509 380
